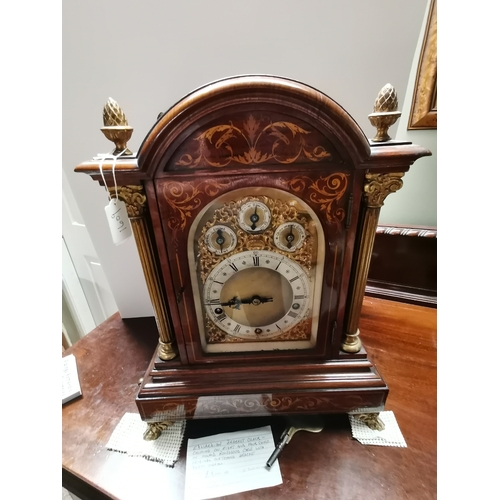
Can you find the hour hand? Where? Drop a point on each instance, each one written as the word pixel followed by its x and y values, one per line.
pixel 233 303
pixel 256 300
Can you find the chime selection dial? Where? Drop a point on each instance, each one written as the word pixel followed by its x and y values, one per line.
pixel 220 239
pixel 290 236
pixel 254 216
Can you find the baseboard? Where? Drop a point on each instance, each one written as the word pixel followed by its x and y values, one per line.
pixel 404 265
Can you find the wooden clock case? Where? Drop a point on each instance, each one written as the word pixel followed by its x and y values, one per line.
pixel 267 131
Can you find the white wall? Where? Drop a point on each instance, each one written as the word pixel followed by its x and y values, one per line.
pixel 148 54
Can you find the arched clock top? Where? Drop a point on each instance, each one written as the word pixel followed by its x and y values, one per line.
pixel 252 121
pixel 257 122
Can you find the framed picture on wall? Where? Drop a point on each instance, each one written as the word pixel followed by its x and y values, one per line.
pixel 423 113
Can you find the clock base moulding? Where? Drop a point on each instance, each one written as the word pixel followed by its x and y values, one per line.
pixel 336 386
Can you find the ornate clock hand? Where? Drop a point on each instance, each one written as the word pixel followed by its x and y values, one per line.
pixel 254 218
pixel 233 303
pixel 290 237
pixel 256 300
pixel 220 239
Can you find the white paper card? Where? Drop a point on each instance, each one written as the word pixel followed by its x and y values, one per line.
pixel 119 223
pixel 230 463
pixel 70 382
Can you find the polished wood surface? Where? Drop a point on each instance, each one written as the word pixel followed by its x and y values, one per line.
pixel 412 279
pixel 399 338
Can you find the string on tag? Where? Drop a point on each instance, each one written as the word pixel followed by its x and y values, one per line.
pixel 114 158
pixel 116 210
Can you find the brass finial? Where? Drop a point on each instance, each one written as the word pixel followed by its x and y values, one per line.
pixel 116 127
pixel 385 112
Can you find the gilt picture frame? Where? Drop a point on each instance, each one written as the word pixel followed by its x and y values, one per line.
pixel 423 113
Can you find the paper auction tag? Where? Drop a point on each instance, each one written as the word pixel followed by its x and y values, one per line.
pixel 119 223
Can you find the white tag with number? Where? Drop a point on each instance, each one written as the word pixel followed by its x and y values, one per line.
pixel 119 223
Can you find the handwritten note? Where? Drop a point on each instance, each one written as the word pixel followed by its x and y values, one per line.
pixel 230 463
pixel 119 223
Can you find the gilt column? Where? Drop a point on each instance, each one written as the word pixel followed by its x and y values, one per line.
pixel 135 200
pixel 376 189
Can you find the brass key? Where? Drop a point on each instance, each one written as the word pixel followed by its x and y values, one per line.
pixel 310 423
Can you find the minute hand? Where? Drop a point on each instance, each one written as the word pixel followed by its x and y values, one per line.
pixel 255 300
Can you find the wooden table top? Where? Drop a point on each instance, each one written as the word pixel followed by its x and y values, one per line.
pixel 400 340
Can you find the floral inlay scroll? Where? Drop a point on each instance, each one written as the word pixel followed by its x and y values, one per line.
pixel 253 143
pixel 259 404
pixel 325 192
pixel 184 198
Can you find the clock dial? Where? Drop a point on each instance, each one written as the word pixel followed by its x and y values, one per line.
pixel 254 216
pixel 290 236
pixel 257 295
pixel 220 239
pixel 256 271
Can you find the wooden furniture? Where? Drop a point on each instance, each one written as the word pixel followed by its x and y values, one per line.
pixel 403 266
pixel 254 202
pixel 400 338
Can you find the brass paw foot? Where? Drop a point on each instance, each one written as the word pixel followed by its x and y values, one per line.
pixel 372 420
pixel 155 429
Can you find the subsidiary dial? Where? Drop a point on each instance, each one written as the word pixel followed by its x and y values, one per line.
pixel 289 236
pixel 220 239
pixel 254 216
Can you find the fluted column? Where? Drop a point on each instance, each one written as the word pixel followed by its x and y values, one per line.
pixel 135 200
pixel 376 189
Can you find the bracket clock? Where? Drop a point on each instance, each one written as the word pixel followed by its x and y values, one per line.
pixel 254 203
